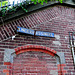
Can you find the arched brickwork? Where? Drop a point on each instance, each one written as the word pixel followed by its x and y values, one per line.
pixel 37 48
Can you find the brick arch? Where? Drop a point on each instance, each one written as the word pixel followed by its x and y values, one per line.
pixel 38 48
pixel 35 60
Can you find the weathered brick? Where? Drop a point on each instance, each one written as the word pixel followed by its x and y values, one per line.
pixel 7 63
pixel 5 70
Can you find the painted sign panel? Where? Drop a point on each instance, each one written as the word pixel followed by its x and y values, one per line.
pixel 24 30
pixel 38 33
pixel 47 34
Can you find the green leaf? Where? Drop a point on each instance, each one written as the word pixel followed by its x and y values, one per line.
pixel 34 2
pixel 41 3
pixel 61 1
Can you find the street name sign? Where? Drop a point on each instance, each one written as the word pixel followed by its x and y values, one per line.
pixel 32 32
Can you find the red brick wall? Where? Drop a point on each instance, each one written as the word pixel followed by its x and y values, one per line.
pixel 1 61
pixel 58 19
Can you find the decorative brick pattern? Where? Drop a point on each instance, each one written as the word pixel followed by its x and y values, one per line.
pixel 35 19
pixel 35 48
pixel 61 70
pixel 8 65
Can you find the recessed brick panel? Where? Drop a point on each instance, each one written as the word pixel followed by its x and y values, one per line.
pixel 34 63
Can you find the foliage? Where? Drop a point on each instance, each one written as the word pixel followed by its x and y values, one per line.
pixel 41 1
pixel 3 3
pixel 23 8
pixel 7 10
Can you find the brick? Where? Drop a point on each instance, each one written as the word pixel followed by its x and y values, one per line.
pixel 1 63
pixel 16 49
pixel 2 67
pixel 7 63
pixel 19 48
pixel 1 49
pixel 16 71
pixel 5 70
pixel 62 65
pixel 9 67
pixel 22 47
pixel 7 74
